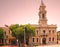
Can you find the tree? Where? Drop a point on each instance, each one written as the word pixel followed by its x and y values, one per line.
pixel 30 31
pixel 1 34
pixel 15 31
pixel 18 31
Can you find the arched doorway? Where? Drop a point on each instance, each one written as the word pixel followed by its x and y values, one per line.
pixel 44 41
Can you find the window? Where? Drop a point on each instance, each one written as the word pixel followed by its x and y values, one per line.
pixel 49 31
pixel 43 31
pixel 6 36
pixel 49 39
pixel 53 31
pixel 37 39
pixel 5 33
pixel 52 39
pixel 37 31
pixel 9 31
pixel 33 39
pixel 43 16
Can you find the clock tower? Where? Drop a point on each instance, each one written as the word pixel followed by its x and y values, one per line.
pixel 42 14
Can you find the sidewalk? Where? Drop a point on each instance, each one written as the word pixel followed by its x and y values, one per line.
pixel 8 46
pixel 56 45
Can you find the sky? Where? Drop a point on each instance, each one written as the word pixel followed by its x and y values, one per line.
pixel 26 11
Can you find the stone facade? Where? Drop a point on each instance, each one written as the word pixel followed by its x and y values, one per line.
pixel 7 36
pixel 45 34
pixel 58 37
pixel 58 34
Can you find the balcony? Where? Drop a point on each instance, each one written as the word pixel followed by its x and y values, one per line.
pixel 44 34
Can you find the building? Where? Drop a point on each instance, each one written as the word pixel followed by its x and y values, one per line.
pixel 7 36
pixel 58 37
pixel 45 34
pixel 58 33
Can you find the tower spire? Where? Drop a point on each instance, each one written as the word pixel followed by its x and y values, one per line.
pixel 42 14
pixel 42 3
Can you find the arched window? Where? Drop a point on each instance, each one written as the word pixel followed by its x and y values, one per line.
pixel 43 31
pixel 53 31
pixel 33 39
pixel 5 33
pixel 49 39
pixel 37 31
pixel 6 36
pixel 37 39
pixel 43 16
pixel 49 31
pixel 53 39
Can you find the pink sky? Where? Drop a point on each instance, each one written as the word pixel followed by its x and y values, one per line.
pixel 26 11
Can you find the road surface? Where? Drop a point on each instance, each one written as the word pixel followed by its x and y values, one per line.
pixel 8 46
pixel 56 45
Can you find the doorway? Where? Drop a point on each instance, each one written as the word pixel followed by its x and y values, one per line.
pixel 44 41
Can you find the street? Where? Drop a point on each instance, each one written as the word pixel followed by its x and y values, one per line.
pixel 56 45
pixel 8 46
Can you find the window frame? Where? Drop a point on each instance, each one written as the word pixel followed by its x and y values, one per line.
pixel 53 39
pixel 44 31
pixel 49 31
pixel 37 39
pixel 49 38
pixel 53 31
pixel 33 39
pixel 43 16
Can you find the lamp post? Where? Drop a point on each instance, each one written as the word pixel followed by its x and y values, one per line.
pixel 57 37
pixel 24 35
pixel 4 38
pixel 17 42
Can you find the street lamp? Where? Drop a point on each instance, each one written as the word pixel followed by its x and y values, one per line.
pixel 57 37
pixel 17 42
pixel 24 35
pixel 4 38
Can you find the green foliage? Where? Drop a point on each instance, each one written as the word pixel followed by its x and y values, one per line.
pixel 14 26
pixel 30 30
pixel 1 33
pixel 18 31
